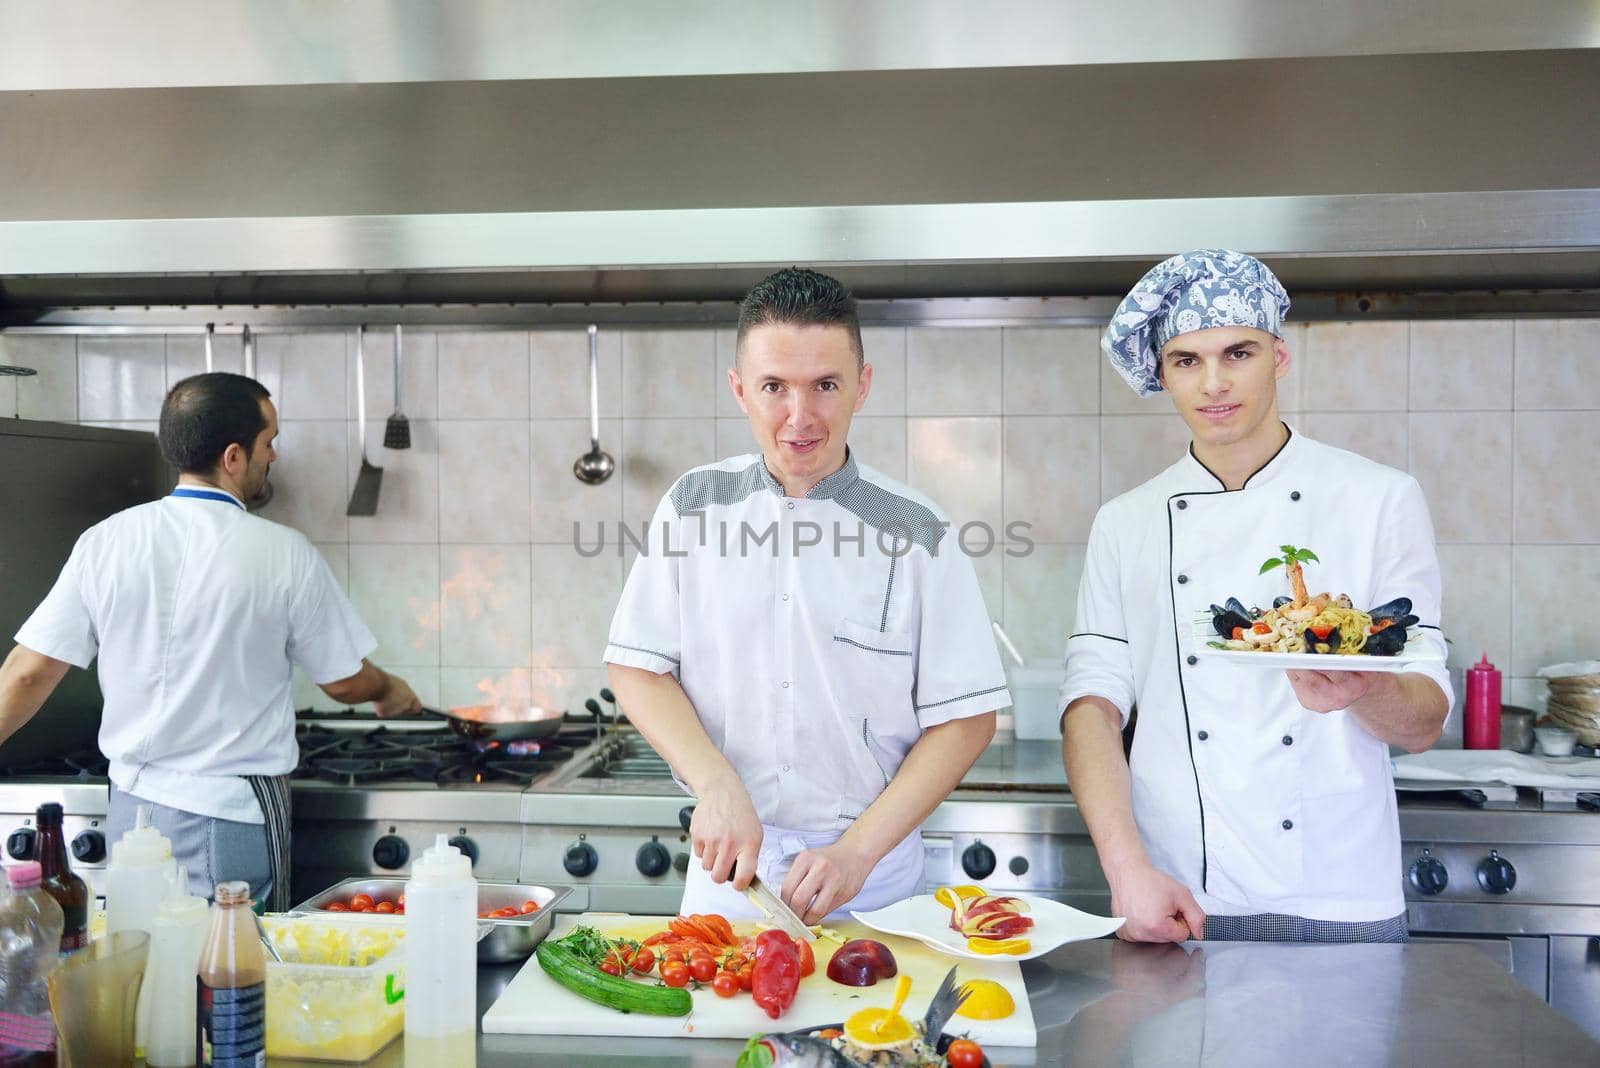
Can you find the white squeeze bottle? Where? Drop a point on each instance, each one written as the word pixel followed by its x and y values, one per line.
pixel 136 876
pixel 166 998
pixel 441 959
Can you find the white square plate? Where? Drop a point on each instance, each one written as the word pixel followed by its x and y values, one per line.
pixel 927 921
pixel 1416 651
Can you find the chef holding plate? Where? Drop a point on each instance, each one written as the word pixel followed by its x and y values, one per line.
pixel 1256 803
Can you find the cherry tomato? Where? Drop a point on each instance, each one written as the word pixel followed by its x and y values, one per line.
pixel 673 953
pixel 400 910
pixel 644 961
pixel 385 907
pixel 611 966
pixel 675 974
pixel 364 908
pixel 402 900
pixel 529 906
pixel 336 906
pixel 726 984
pixel 747 977
pixel 703 969
pixel 808 959
pixel 964 1053
pixel 361 899
pixel 504 914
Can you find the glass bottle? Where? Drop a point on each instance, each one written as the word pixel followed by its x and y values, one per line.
pixel 231 1010
pixel 70 892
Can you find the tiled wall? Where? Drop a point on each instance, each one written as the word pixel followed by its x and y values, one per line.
pixel 467 573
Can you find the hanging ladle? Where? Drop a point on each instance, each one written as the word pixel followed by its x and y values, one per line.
pixel 594 466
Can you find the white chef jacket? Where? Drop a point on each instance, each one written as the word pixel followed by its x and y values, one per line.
pixel 817 637
pixel 1250 800
pixel 198 612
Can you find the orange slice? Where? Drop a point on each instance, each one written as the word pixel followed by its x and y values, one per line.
pixel 947 895
pixel 986 1000
pixel 882 1028
pixel 997 947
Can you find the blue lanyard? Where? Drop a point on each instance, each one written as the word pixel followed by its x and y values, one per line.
pixel 206 495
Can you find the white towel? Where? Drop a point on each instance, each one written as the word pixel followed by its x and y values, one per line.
pixel 1499 765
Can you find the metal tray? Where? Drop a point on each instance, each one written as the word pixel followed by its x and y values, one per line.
pixel 508 939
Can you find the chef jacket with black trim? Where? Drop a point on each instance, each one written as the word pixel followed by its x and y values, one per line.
pixel 817 637
pixel 1255 803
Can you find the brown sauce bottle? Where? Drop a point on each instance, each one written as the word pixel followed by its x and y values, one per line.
pixel 231 1011
pixel 70 892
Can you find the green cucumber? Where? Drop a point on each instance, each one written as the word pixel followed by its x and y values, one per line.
pixel 584 979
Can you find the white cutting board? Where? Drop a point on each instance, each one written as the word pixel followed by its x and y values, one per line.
pixel 534 1004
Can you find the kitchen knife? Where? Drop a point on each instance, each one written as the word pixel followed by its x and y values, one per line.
pixel 772 906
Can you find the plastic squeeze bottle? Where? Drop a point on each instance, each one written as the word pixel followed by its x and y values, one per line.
pixel 1481 728
pixel 30 944
pixel 231 989
pixel 70 891
pixel 136 877
pixel 441 959
pixel 166 1027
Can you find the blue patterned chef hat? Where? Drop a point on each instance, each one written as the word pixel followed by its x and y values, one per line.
pixel 1191 291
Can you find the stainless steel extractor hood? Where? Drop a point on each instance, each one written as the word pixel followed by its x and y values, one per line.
pixel 568 151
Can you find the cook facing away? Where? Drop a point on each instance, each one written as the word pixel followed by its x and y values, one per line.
pixel 1256 803
pixel 808 648
pixel 199 612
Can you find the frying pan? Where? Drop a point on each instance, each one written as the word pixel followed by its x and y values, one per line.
pixel 501 723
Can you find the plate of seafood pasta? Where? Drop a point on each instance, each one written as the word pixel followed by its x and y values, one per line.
pixel 1314 632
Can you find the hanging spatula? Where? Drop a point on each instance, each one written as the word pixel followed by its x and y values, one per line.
pixel 364 498
pixel 397 432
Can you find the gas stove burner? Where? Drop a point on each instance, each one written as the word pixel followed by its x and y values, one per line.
pixel 87 765
pixel 436 756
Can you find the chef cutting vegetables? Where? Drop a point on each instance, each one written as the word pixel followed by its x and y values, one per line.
pixel 802 639
pixel 1256 803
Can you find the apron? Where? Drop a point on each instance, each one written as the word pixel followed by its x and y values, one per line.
pixel 272 791
pixel 897 876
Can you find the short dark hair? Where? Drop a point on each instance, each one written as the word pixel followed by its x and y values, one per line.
pixel 204 414
pixel 802 297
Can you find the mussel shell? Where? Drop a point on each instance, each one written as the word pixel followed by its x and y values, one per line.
pixel 1387 642
pixel 1397 610
pixel 1233 604
pixel 1279 602
pixel 1225 620
pixel 1331 641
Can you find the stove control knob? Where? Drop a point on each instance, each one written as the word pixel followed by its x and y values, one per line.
pixel 581 860
pixel 681 862
pixel 685 815
pixel 1495 874
pixel 89 847
pixel 391 852
pixel 653 860
pixel 467 846
pixel 978 861
pixel 1427 875
pixel 20 844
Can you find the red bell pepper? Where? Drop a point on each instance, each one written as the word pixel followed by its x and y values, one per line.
pixel 777 972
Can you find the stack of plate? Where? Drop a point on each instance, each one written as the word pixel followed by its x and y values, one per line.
pixel 1575 699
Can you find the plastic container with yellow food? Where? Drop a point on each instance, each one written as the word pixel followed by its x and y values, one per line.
pixel 338 993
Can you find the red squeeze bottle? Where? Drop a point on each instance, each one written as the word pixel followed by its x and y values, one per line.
pixel 1482 727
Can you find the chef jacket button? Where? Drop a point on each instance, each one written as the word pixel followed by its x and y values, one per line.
pixel 1288 825
pixel 1183 580
pixel 1191 660
pixel 1294 495
pixel 1182 504
pixel 786 597
pixel 1202 736
pixel 791 504
pixel 1287 740
pixel 786 684
pixel 786 767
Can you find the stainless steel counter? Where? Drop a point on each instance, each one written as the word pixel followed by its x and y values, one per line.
pixel 1110 1002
